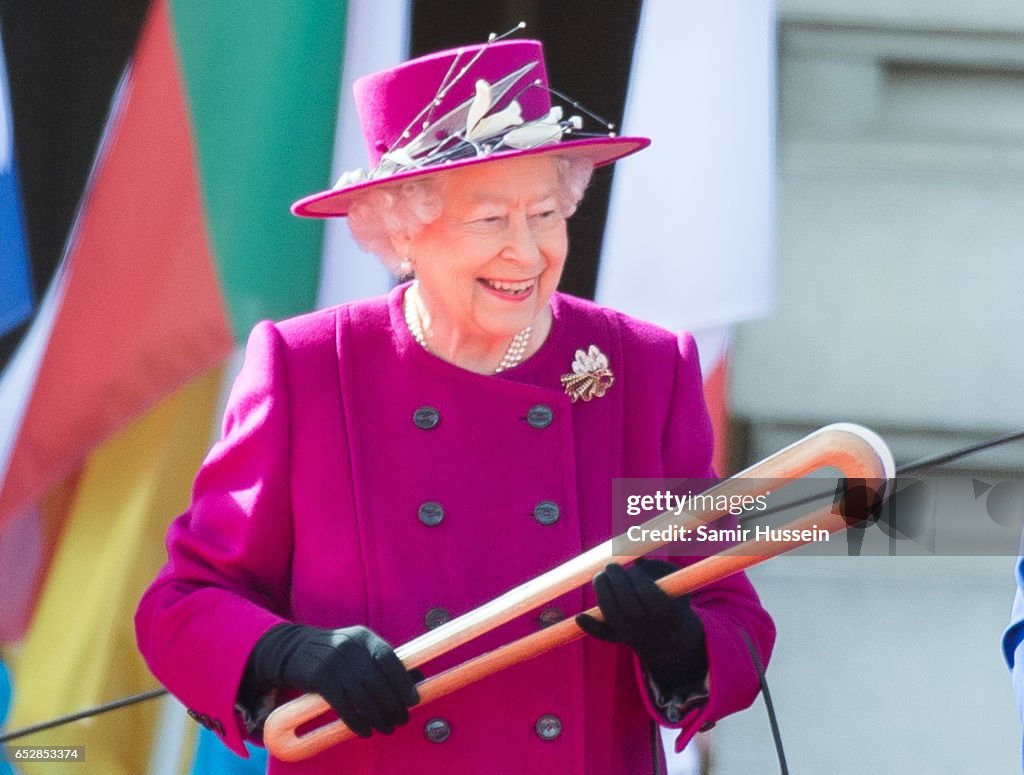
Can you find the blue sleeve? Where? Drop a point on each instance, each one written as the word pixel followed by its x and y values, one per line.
pixel 1013 643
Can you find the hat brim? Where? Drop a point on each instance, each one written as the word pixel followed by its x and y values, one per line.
pixel 335 202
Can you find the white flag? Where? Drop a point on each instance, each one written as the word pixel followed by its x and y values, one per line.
pixel 689 240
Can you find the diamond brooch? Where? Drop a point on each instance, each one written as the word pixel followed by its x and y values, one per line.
pixel 590 375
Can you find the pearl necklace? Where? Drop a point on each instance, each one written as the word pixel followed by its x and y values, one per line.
pixel 414 321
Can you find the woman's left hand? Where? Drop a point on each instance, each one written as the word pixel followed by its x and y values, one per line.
pixel 665 633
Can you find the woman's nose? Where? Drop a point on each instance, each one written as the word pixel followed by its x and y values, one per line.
pixel 521 243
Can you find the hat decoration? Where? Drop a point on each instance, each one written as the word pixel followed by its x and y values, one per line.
pixel 482 130
pixel 493 100
pixel 473 128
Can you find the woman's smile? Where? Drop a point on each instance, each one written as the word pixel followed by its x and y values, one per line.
pixel 509 290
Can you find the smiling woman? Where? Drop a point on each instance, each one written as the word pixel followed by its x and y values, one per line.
pixel 487 266
pixel 389 464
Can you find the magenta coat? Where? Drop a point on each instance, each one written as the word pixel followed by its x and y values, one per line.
pixel 361 480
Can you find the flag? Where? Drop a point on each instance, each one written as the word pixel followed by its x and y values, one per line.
pixel 28 538
pixel 119 335
pixel 79 651
pixel 690 231
pixel 27 544
pixel 5 704
pixel 713 346
pixel 19 377
pixel 184 239
pixel 376 37
pixel 15 280
pixel 689 241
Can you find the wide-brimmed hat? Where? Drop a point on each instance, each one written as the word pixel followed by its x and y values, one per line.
pixel 454 108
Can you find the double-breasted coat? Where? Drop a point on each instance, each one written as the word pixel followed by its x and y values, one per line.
pixel 361 480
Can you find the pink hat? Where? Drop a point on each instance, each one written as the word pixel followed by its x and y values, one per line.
pixel 459 107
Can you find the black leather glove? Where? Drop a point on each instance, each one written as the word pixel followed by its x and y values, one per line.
pixel 355 670
pixel 665 633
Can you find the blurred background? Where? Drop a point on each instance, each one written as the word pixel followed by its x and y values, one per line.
pixel 833 203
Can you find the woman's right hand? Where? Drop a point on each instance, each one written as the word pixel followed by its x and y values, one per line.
pixel 353 668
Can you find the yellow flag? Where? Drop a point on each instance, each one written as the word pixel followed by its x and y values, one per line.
pixel 80 651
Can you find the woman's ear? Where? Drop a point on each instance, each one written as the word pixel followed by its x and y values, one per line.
pixel 401 243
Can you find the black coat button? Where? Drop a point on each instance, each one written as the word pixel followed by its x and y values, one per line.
pixel 435 618
pixel 546 512
pixel 426 417
pixel 550 616
pixel 540 416
pixel 431 513
pixel 437 730
pixel 548 727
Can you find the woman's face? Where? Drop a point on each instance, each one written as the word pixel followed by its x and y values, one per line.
pixel 488 265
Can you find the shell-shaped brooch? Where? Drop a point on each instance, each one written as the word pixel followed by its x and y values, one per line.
pixel 590 375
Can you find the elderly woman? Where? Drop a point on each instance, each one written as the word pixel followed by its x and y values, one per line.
pixel 389 464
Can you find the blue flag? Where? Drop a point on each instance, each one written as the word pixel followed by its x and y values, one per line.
pixel 15 281
pixel 5 704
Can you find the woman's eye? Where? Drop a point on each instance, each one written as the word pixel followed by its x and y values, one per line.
pixel 545 215
pixel 488 220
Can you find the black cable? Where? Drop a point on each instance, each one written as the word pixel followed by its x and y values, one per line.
pixel 773 720
pixel 948 457
pixel 61 720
